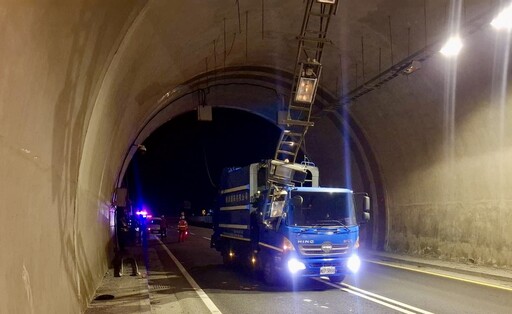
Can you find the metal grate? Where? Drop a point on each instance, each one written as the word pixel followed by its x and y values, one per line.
pixel 158 287
pixel 316 249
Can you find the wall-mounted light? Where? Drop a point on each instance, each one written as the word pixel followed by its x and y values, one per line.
pixel 503 20
pixel 140 147
pixel 412 67
pixel 452 47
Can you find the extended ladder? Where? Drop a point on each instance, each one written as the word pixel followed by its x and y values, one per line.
pixel 307 74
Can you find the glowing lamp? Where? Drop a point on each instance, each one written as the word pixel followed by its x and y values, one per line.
pixel 142 213
pixel 294 265
pixel 287 245
pixel 354 263
pixel 452 47
pixel 306 90
pixel 503 20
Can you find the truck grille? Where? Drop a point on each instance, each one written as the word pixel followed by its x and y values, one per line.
pixel 316 249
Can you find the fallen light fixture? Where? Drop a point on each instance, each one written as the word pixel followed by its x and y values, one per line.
pixel 308 81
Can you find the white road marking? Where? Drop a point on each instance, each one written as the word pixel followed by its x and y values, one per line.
pixel 207 238
pixel 206 300
pixel 396 305
pixel 192 233
pixel 438 274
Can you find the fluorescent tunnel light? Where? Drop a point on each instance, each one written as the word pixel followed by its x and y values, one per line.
pixel 452 47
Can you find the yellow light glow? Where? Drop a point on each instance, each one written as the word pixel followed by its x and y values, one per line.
pixel 305 90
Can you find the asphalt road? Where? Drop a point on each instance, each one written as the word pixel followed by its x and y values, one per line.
pixel 376 289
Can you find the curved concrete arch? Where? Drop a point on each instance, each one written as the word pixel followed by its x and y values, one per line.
pixel 263 91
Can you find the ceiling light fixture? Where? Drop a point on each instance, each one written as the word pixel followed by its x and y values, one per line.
pixel 452 47
pixel 308 81
pixel 503 20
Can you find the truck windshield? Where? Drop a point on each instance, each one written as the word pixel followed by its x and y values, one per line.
pixel 316 209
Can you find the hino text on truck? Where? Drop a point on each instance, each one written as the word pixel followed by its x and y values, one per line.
pixel 267 219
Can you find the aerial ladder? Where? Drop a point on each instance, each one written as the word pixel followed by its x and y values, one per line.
pixel 308 68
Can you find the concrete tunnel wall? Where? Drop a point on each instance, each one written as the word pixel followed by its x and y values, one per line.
pixel 447 169
pixel 55 236
pixel 78 81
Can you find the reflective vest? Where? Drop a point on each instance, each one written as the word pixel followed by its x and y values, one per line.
pixel 182 225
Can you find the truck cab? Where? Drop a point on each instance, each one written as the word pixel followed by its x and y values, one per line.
pixel 310 232
pixel 285 230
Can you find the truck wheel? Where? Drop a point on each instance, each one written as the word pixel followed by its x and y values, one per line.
pixel 270 275
pixel 336 279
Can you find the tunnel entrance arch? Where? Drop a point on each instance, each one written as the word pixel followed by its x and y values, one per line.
pixel 262 91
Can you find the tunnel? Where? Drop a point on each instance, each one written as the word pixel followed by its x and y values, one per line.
pixel 83 84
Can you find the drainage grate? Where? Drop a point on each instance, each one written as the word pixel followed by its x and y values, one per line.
pixel 154 287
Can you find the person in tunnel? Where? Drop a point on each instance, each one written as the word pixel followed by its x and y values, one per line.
pixel 182 229
pixel 163 227
pixel 122 229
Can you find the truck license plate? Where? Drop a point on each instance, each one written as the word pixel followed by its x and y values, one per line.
pixel 327 270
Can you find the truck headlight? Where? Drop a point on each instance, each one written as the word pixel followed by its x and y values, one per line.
pixel 294 265
pixel 354 263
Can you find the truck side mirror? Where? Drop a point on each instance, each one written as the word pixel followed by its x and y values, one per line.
pixel 297 201
pixel 366 209
pixel 366 203
pixel 366 217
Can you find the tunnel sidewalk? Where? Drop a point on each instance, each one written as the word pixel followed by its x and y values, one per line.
pixel 128 293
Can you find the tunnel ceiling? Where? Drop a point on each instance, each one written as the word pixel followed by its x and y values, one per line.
pixel 168 43
pixel 169 48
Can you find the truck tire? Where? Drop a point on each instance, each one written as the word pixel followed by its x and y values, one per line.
pixel 336 279
pixel 270 275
